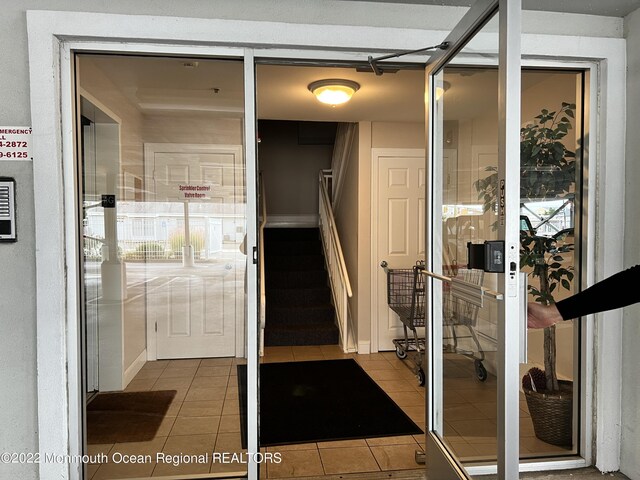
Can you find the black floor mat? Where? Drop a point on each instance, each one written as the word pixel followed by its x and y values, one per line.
pixel 302 402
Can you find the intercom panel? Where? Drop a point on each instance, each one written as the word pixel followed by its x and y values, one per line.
pixel 7 210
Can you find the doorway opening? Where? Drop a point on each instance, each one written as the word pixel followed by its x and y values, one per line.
pixel 170 249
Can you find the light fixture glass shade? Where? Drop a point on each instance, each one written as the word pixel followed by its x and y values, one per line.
pixel 334 91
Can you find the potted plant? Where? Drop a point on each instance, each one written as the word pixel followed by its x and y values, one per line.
pixel 547 171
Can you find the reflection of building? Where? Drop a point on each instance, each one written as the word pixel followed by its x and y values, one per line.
pixel 214 227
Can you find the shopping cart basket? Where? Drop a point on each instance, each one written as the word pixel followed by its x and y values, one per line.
pixel 406 297
pixel 459 313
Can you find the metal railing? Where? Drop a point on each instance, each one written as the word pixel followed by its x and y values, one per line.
pixel 338 276
pixel 263 294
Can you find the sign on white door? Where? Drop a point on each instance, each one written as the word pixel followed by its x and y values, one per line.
pixel 196 308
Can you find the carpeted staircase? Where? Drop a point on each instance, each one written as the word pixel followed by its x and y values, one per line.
pixel 299 308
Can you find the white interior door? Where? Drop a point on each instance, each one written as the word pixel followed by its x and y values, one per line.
pixel 400 208
pixel 194 307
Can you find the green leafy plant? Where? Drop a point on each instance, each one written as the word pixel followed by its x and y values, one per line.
pixel 547 171
pixel 176 241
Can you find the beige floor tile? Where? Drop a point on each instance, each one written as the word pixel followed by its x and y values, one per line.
pixel 486 449
pixel 165 426
pixel 400 440
pixel 269 351
pixel 474 428
pixel 203 408
pixel 141 385
pixel 208 382
pixel 395 457
pixel 396 386
pixel 190 444
pixel 348 460
pixel 308 357
pixel 148 373
pixel 91 470
pixel 171 372
pixel 343 444
pixel 197 394
pixel 379 375
pixel 306 349
pixel 463 449
pixel 111 470
pixel 407 399
pixel 233 468
pixel 232 394
pixel 489 409
pixel 229 442
pixel 217 371
pixel 140 448
pixel 370 365
pixel 296 446
pixel 216 362
pixel 229 424
pixel 231 407
pixel 278 358
pixel 417 414
pixel 296 464
pixel 200 465
pixel 466 411
pixel 156 364
pixel 452 397
pixel 239 361
pixel 184 363
pixel 172 383
pixel 97 449
pixel 479 395
pixel 195 425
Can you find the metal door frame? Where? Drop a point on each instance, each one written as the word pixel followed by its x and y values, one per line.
pixel 442 463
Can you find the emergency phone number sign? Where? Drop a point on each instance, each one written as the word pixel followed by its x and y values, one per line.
pixel 15 143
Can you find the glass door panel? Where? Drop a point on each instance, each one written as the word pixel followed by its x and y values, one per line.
pixel 164 224
pixel 472 364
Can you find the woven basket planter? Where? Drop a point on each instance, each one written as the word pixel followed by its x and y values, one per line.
pixel 552 414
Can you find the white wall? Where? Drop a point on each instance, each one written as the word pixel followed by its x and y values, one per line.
pixel 630 460
pixel 289 170
pixel 346 214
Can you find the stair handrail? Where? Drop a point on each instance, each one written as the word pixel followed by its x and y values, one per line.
pixel 336 265
pixel 324 194
pixel 263 293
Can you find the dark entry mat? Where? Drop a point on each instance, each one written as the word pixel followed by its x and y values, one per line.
pixel 126 416
pixel 317 401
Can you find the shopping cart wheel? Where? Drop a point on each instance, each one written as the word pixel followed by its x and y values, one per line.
pixel 401 353
pixel 481 372
pixel 421 377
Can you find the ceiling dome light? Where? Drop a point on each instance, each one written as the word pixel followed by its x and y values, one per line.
pixel 333 91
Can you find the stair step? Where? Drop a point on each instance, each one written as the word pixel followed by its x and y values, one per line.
pixel 308 315
pixel 295 263
pixel 293 335
pixel 292 247
pixel 296 279
pixel 298 296
pixel 289 234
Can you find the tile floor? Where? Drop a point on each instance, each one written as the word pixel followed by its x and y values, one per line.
pixel 204 417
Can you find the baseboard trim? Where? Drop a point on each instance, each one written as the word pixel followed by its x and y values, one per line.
pixel 364 348
pixel 292 221
pixel 134 368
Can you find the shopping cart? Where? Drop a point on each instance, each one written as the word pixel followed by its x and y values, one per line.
pixel 457 313
pixel 406 297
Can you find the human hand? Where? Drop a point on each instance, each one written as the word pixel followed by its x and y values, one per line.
pixel 542 316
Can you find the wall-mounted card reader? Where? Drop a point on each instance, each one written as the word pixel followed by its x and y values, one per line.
pixel 7 209
pixel 487 256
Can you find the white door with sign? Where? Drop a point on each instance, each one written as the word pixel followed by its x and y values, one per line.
pixel 398 216
pixel 194 306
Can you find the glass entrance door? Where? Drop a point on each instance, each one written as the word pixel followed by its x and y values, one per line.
pixel 472 260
